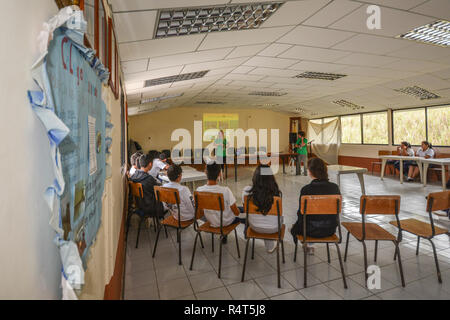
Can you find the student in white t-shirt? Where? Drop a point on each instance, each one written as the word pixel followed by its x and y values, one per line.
pixel 404 150
pixel 230 212
pixel 159 164
pixel 262 191
pixel 134 163
pixel 426 151
pixel 187 208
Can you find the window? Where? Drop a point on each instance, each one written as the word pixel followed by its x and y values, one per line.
pixel 326 120
pixel 438 122
pixel 375 128
pixel 102 43
pixel 351 129
pixel 89 15
pixel 409 125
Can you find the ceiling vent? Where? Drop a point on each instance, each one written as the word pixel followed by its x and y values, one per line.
pixel 320 75
pixel 179 22
pixel 348 104
pixel 418 92
pixel 171 79
pixel 161 98
pixel 436 33
pixel 267 93
pixel 210 102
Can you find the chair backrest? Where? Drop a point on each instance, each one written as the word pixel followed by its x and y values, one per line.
pixel 438 201
pixel 394 152
pixel 251 208
pixel 167 195
pixel 136 189
pixel 389 205
pixel 321 204
pixel 208 201
pixel 384 152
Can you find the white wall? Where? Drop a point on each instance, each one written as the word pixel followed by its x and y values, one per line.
pixel 30 264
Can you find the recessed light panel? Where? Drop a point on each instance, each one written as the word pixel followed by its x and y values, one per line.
pixel 267 93
pixel 171 79
pixel 418 92
pixel 179 22
pixel 320 75
pixel 436 33
pixel 348 104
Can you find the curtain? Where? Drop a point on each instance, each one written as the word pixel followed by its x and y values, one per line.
pixel 325 140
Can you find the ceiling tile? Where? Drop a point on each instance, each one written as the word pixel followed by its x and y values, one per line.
pixel 316 66
pixel 274 49
pixel 435 8
pixel 274 72
pixel 134 26
pixel 420 51
pixel 294 12
pixel 243 69
pixel 372 44
pixel 315 37
pixel 242 37
pixel 363 59
pixel 414 65
pixel 243 77
pixel 159 47
pixel 154 74
pixel 246 51
pixel 134 66
pixel 213 65
pixel 313 54
pixel 135 5
pixel 331 13
pixel 399 4
pixel 270 62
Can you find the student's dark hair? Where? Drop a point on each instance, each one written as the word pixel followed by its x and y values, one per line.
pixel 174 172
pixel 133 159
pixel 162 156
pixel 301 133
pixel 318 168
pixel 406 143
pixel 145 160
pixel 213 171
pixel 264 189
pixel 427 144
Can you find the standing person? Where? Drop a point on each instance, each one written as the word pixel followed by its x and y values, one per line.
pixel 317 226
pixel 302 153
pixel 426 151
pixel 404 150
pixel 262 191
pixel 221 149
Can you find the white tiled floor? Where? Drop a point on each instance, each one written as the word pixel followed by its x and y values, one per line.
pixel 163 278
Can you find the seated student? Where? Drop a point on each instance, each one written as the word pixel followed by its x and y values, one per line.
pixel 262 191
pixel 133 161
pixel 230 212
pixel 426 151
pixel 404 150
pixel 317 226
pixel 150 205
pixel 187 208
pixel 159 164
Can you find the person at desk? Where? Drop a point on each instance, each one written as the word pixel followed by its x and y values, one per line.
pixel 404 150
pixel 159 164
pixel 302 153
pixel 426 151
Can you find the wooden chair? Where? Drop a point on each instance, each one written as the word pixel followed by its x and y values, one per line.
pixel 380 153
pixel 211 201
pixel 323 205
pixel 435 201
pixel 386 205
pixel 172 197
pixel 276 210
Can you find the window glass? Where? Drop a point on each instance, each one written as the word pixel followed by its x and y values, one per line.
pixel 409 125
pixel 439 125
pixel 351 129
pixel 375 128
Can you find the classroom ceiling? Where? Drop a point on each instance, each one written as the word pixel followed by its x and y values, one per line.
pixel 257 68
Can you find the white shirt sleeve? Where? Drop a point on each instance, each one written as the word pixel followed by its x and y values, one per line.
pixel 231 197
pixel 161 164
pixel 410 152
pixel 245 192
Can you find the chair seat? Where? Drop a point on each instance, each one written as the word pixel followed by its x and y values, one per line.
pixel 267 236
pixel 373 231
pixel 418 227
pixel 172 222
pixel 206 227
pixel 332 239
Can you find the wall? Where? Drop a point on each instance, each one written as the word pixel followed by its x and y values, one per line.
pixel 153 130
pixel 30 265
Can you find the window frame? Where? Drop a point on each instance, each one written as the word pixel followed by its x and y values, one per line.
pixel 113 83
pixel 97 33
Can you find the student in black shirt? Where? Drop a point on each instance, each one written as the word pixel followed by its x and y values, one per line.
pixel 317 226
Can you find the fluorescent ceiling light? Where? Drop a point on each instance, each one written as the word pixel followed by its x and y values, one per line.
pixel 161 98
pixel 348 104
pixel 179 22
pixel 436 33
pixel 320 75
pixel 418 92
pixel 179 77
pixel 267 93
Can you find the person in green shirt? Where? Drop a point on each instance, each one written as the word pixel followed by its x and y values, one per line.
pixel 221 148
pixel 302 153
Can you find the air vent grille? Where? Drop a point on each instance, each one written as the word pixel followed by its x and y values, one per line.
pixel 418 92
pixel 320 75
pixel 210 102
pixel 267 93
pixel 348 104
pixel 171 79
pixel 161 98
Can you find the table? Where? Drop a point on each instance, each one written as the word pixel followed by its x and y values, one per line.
pixel 285 156
pixel 384 159
pixel 339 169
pixel 190 175
pixel 440 161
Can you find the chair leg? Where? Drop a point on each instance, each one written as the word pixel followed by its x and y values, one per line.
pixel 201 241
pixel 436 261
pixel 278 264
pixel 179 246
pixel 253 249
pixel 397 250
pixel 212 242
pixel 154 223
pixel 193 251
pixel 295 252
pixel 178 236
pixel 365 260
pixel 282 250
pixel 376 251
pixel 341 264
pixel 156 241
pixel 395 253
pixel 305 284
pixel 220 256
pixel 245 260
pixel 328 253
pixel 346 246
pixel 237 244
pixel 165 230
pixel 139 232
pixel 418 243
